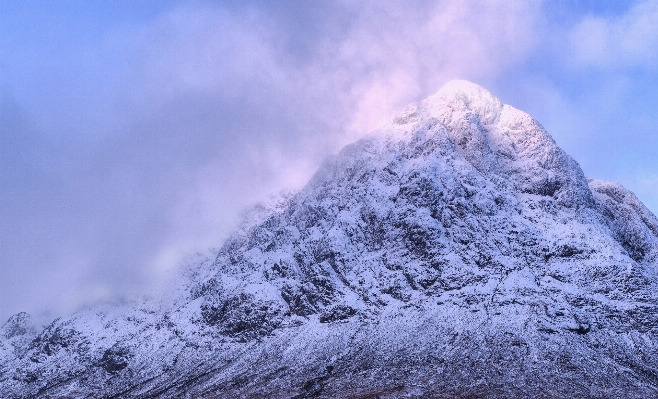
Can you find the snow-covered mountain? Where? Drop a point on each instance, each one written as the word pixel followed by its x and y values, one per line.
pixel 457 252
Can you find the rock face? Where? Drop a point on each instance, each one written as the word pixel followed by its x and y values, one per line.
pixel 458 252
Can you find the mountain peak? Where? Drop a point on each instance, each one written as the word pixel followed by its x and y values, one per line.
pixel 465 120
pixel 463 95
pixel 456 96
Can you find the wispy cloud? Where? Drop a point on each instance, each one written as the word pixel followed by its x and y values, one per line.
pixel 628 40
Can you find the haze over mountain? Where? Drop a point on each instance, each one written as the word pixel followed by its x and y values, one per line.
pixel 457 252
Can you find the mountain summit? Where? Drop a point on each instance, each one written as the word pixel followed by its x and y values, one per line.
pixel 457 252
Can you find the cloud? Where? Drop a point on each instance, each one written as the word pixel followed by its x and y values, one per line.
pixel 628 40
pixel 280 109
pixel 395 54
pixel 384 53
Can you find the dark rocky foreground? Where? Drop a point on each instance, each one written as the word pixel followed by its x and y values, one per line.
pixel 455 253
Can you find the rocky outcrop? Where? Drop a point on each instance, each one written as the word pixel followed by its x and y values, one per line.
pixel 457 252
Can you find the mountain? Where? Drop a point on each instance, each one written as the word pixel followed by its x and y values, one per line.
pixel 457 252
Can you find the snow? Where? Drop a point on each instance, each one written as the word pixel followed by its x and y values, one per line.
pixel 458 242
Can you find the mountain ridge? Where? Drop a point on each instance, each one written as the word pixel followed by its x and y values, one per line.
pixel 455 252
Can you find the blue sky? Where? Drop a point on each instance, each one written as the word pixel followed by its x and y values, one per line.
pixel 135 132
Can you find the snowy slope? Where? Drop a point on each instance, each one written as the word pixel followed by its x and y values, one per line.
pixel 456 252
